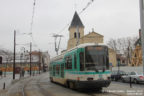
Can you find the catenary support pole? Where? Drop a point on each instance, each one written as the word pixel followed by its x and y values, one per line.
pixel 30 57
pixel 14 54
pixel 77 32
pixel 141 2
pixel 39 61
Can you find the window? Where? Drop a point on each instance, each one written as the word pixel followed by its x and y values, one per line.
pixel 54 70
pixel 62 70
pixel 123 61
pixel 81 61
pixel 132 73
pixel 75 35
pixel 57 69
pixel 50 69
pixel 75 61
pixel 69 62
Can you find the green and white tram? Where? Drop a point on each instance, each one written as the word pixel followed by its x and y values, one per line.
pixel 86 66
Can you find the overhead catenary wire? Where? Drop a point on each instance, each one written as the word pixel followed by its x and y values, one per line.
pixel 88 4
pixel 83 9
pixel 31 24
pixel 32 19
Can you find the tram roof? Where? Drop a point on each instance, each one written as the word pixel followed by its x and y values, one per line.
pixel 79 46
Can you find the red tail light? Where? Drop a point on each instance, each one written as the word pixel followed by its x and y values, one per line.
pixel 141 77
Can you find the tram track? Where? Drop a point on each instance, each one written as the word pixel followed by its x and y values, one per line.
pixel 23 91
pixel 41 91
pixel 103 93
pixel 39 87
pixel 45 92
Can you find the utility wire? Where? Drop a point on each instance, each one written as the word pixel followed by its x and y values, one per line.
pixel 33 12
pixel 32 22
pixel 64 27
pixel 88 4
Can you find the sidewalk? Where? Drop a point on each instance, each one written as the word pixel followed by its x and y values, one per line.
pixel 8 80
pixel 124 88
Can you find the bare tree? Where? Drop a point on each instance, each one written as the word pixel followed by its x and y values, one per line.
pixel 7 54
pixel 112 43
pixel 123 46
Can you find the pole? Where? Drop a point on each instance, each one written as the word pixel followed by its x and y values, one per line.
pixel 39 62
pixel 141 2
pixel 56 46
pixel 77 31
pixel 21 65
pixel 30 56
pixel 6 67
pixel 130 82
pixel 59 44
pixel 14 54
pixel 118 60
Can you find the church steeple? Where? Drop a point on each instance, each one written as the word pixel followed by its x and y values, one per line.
pixel 76 21
pixel 76 26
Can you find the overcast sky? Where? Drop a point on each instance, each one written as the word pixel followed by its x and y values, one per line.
pixel 111 18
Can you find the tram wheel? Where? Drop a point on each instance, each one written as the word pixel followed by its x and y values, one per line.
pixel 71 85
pixel 99 89
pixel 51 79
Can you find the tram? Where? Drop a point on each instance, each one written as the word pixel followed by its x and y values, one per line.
pixel 85 66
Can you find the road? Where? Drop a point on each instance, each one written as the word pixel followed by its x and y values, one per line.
pixel 41 86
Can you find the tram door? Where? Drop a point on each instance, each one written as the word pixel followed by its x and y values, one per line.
pixel 62 70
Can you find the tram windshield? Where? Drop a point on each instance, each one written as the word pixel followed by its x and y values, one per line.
pixel 96 58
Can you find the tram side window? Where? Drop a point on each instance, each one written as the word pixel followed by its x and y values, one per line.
pixel 75 61
pixel 50 69
pixel 62 70
pixel 57 69
pixel 54 70
pixel 69 62
pixel 81 61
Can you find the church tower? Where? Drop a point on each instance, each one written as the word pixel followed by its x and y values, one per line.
pixel 75 23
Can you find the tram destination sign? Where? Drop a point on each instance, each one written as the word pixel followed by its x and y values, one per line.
pixel 99 48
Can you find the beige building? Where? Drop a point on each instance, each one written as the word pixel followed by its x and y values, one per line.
pixel 92 37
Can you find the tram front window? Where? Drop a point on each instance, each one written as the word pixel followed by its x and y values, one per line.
pixel 96 58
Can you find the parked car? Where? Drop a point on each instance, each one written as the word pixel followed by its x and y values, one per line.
pixel 117 74
pixel 136 77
